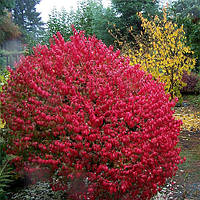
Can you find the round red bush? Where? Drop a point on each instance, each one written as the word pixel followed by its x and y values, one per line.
pixel 103 128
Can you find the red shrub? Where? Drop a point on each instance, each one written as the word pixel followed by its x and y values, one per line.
pixel 192 83
pixel 102 127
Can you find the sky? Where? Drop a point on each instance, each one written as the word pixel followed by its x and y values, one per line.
pixel 45 7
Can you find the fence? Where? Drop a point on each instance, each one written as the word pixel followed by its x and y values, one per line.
pixel 10 52
pixel 10 59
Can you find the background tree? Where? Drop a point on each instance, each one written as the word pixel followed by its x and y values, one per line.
pixel 90 16
pixel 126 14
pixel 26 16
pixel 6 4
pixel 29 20
pixel 84 16
pixel 187 13
pixel 8 30
pixel 59 21
pixel 167 55
pixel 103 20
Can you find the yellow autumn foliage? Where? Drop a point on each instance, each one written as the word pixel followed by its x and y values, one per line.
pixel 2 124
pixel 164 54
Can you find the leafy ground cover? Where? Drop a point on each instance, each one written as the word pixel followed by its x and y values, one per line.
pixel 190 117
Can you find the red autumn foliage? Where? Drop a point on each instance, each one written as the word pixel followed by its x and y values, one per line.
pixel 191 80
pixel 103 128
pixel 8 30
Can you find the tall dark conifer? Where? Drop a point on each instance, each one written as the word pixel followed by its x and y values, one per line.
pixel 126 13
pixel 26 16
pixel 187 13
pixel 6 4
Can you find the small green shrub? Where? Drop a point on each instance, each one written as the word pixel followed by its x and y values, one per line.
pixel 4 76
pixel 6 171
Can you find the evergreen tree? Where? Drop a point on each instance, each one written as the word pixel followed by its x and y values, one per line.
pixel 59 21
pixel 103 18
pixel 126 14
pixel 187 13
pixel 6 4
pixel 26 16
pixel 90 16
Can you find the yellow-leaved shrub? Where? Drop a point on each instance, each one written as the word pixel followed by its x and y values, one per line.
pixel 163 53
